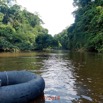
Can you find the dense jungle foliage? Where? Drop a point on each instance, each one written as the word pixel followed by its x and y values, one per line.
pixel 21 30
pixel 86 33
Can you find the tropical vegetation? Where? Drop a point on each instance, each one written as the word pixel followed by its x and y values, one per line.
pixel 86 33
pixel 21 30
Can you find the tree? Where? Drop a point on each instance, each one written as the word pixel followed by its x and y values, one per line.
pixel 44 41
pixel 18 28
pixel 81 3
pixel 86 33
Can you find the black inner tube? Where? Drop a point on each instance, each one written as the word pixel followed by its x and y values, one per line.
pixel 20 86
pixel 14 77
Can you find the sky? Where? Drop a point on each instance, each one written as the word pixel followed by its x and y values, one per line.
pixel 56 14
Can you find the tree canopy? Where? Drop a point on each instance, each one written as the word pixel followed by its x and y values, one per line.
pixel 86 32
pixel 21 29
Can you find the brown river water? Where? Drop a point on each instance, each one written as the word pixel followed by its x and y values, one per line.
pixel 70 77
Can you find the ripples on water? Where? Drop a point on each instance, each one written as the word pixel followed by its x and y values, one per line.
pixel 69 77
pixel 60 80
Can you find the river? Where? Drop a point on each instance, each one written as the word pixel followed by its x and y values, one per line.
pixel 70 77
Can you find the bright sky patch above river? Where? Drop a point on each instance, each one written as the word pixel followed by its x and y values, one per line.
pixel 56 14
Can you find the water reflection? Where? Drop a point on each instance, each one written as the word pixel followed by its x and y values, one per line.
pixel 59 78
pixel 70 77
pixel 89 78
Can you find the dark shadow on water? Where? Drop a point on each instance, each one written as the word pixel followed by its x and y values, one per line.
pixel 40 99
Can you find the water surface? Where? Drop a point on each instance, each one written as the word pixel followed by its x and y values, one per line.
pixel 70 77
